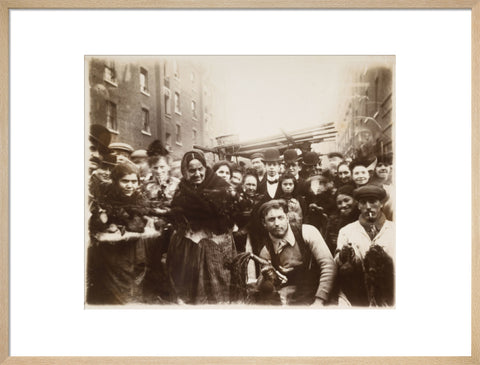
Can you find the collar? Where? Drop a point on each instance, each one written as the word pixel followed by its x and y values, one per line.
pixel 378 224
pixel 288 239
pixel 272 179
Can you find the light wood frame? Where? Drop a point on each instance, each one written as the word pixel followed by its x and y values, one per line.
pixel 6 5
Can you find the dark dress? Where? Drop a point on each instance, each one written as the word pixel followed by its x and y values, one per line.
pixel 202 244
pixel 116 263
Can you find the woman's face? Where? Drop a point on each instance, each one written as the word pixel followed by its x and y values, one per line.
pixel 382 170
pixel 128 184
pixel 288 186
pixel 224 172
pixel 345 204
pixel 195 172
pixel 250 185
pixel 360 175
pixel 160 169
pixel 344 173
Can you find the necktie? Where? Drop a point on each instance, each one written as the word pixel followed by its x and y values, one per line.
pixel 272 181
pixel 281 246
pixel 372 232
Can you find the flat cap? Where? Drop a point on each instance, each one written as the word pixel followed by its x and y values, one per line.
pixel 120 146
pixel 370 191
pixel 256 155
pixel 139 154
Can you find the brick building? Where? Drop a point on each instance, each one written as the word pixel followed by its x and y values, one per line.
pixel 146 98
pixel 369 105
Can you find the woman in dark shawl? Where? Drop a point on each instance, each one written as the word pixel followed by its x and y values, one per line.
pixel 202 244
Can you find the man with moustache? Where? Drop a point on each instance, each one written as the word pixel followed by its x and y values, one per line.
pixel 372 227
pixel 269 186
pixel 257 164
pixel 299 254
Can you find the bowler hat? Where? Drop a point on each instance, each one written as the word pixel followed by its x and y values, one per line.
pixel 271 155
pixel 370 191
pixel 310 158
pixel 290 156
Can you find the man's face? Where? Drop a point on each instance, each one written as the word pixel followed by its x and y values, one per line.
pixel 293 168
pixel 196 172
pixel 382 170
pixel 250 185
pixel 344 173
pixel 160 169
pixel 272 168
pixel 276 222
pixel 370 208
pixel 258 165
pixel 128 184
pixel 345 204
pixel 333 163
pixel 360 175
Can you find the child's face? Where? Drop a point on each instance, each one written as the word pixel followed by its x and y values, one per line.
pixel 288 186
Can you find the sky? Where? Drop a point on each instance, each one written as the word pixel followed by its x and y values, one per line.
pixel 262 94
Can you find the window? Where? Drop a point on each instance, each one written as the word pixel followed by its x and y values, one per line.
pixel 178 134
pixel 167 101
pixel 111 116
pixel 145 121
pixel 143 80
pixel 194 109
pixel 109 74
pixel 195 136
pixel 176 70
pixel 177 103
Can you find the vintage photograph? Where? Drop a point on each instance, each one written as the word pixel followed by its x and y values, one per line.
pixel 240 180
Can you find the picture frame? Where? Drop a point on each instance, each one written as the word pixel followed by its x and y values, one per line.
pixel 6 6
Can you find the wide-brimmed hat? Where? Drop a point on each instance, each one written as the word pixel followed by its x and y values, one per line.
pixel 290 156
pixel 310 158
pixel 271 155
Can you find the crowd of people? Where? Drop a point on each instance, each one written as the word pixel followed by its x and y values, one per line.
pixel 280 229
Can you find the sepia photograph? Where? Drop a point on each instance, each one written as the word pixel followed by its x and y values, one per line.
pixel 250 181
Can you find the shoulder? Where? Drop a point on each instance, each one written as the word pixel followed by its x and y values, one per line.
pixel 310 232
pixel 350 227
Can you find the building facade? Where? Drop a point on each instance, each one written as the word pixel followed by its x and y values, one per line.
pixel 144 98
pixel 370 106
